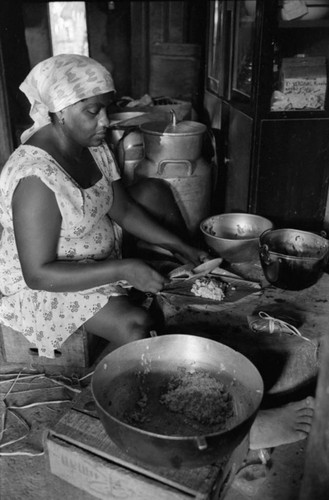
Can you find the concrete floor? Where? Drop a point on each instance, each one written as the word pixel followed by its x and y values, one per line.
pixel 24 472
pixel 279 480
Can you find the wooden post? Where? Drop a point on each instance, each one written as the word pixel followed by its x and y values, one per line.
pixel 315 484
pixel 6 142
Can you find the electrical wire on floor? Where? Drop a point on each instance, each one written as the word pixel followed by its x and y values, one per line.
pixel 12 409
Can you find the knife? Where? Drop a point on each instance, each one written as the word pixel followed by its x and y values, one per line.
pixel 187 271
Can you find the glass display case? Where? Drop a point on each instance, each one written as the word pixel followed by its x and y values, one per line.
pixel 282 45
pixel 231 45
pixel 300 50
pixel 244 42
pixel 269 62
pixel 217 74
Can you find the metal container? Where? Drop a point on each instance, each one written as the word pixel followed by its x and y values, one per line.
pixel 293 259
pixel 173 141
pixel 126 141
pixel 115 388
pixel 173 151
pixel 121 124
pixel 234 236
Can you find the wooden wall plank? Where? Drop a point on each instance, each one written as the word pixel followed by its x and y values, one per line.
pixel 158 22
pixel 139 48
pixel 109 40
pixel 6 142
pixel 176 22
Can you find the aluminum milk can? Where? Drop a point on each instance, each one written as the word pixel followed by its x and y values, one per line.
pixel 173 152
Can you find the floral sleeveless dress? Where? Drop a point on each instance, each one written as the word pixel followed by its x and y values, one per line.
pixel 47 319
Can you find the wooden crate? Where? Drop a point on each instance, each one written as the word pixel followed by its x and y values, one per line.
pixel 81 453
pixel 76 353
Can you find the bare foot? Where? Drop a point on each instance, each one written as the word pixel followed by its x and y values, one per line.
pixel 282 425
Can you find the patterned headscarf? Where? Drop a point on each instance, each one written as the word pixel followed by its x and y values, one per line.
pixel 60 81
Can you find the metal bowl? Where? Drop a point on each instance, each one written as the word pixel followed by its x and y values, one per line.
pixel 144 366
pixel 293 259
pixel 127 118
pixel 234 236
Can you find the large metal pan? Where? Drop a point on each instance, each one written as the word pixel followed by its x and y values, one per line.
pixel 115 388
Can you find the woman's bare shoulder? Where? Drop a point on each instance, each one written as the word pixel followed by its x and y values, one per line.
pixel 33 196
pixel 32 187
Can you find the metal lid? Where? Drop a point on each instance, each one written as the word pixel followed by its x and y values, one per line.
pixel 181 128
pixel 173 128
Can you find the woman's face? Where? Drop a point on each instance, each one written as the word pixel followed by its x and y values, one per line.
pixel 86 121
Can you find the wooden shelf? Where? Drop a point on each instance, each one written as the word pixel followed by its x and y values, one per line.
pixel 297 114
pixel 318 23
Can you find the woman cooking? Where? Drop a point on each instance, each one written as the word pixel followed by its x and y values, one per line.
pixel 62 209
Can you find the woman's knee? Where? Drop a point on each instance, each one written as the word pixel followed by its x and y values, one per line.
pixel 137 324
pixel 121 322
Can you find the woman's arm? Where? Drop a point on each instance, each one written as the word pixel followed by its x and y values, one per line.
pixel 137 221
pixel 37 224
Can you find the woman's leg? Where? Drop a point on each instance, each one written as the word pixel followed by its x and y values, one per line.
pixel 121 321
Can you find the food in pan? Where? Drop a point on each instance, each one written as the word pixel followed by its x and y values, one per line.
pixel 198 396
pixel 183 403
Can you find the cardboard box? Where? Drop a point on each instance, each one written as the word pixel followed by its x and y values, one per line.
pixel 304 81
pixel 81 453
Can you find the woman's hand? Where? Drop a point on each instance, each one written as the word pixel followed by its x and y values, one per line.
pixel 137 221
pixel 187 254
pixel 142 276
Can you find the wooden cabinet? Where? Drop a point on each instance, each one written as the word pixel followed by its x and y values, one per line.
pixel 275 159
pixel 292 171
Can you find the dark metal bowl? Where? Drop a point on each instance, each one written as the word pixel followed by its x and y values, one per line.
pixel 293 259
